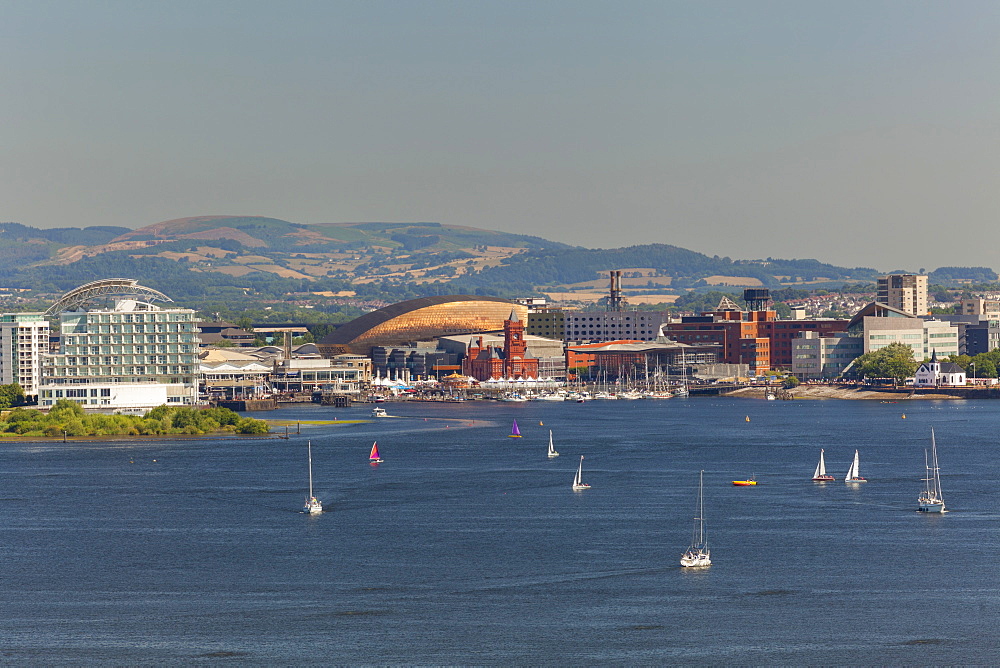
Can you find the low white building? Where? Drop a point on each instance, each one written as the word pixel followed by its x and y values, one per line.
pixel 228 373
pixel 939 374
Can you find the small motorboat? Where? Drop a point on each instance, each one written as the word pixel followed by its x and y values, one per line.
pixel 749 482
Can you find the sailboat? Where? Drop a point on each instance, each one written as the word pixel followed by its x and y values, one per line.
pixel 820 475
pixel 313 505
pixel 931 500
pixel 698 555
pixel 552 448
pixel 854 474
pixel 514 431
pixel 578 483
pixel 374 457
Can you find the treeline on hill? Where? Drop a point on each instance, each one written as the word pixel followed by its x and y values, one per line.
pixel 950 274
pixel 71 236
pixel 68 418
pixel 519 274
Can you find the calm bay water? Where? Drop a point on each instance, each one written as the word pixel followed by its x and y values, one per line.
pixel 468 547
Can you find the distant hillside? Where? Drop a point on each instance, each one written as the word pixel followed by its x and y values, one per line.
pixel 21 246
pixel 224 261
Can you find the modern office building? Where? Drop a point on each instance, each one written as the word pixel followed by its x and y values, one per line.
pixel 906 292
pixel 882 325
pixel 117 350
pixel 817 356
pixel 976 333
pixel 24 338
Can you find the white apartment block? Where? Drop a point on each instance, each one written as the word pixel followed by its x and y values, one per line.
pixel 132 356
pixel 599 326
pixel 907 292
pixel 24 338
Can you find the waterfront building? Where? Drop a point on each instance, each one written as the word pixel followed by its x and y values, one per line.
pixel 487 362
pixel 421 360
pixel 129 355
pixel 549 353
pixel 816 356
pixel 881 325
pixel 939 374
pixel 755 337
pixel 629 361
pixel 976 333
pixel 424 319
pixel 309 374
pixel 227 373
pixel 24 338
pixel 598 326
pixel 906 292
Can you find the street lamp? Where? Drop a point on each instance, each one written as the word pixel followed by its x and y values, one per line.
pixel 973 372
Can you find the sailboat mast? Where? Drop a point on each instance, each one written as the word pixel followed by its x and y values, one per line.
pixel 937 470
pixel 309 445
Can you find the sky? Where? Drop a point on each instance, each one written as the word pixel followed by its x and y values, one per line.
pixel 857 133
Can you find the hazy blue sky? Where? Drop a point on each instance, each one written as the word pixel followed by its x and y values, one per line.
pixel 859 133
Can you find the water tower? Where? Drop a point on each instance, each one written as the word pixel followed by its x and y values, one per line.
pixel 757 299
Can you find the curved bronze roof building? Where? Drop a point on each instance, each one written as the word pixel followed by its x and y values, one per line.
pixel 422 320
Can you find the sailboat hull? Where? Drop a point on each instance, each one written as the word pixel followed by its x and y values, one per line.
pixel 824 478
pixel 696 560
pixel 931 507
pixel 313 507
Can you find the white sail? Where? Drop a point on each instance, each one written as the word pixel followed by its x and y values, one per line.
pixel 932 499
pixel 698 555
pixel 578 478
pixel 854 471
pixel 821 467
pixel 313 505
pixel 552 448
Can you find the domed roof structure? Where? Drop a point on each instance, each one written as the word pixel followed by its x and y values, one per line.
pixel 421 319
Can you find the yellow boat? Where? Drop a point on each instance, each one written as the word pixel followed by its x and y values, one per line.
pixel 745 483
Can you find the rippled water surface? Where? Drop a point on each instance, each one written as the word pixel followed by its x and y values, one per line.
pixel 469 547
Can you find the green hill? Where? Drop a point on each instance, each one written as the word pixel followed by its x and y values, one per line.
pixel 223 262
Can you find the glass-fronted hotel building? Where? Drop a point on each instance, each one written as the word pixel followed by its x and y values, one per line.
pixel 134 355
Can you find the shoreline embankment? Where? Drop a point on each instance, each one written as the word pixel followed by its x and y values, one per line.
pixel 867 393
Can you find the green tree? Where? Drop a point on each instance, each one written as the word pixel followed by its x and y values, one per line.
pixel 11 395
pixel 251 426
pixel 783 310
pixel 244 322
pixel 986 365
pixel 895 361
pixel 790 382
